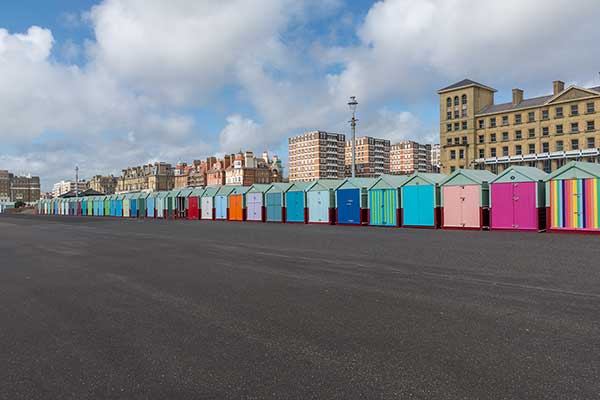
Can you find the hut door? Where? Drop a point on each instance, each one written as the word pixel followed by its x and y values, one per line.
pixel 470 211
pixel 524 205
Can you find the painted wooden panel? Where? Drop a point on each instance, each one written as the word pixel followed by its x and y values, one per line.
pixel 471 212
pixel 418 205
pixel 133 207
pixel 318 206
pixel 207 207
pixel 273 204
pixel 236 207
pixel 294 206
pixel 574 204
pixel 150 207
pixel 502 212
pixel 254 205
pixel 462 206
pixel 193 209
pixel 525 207
pixel 221 207
pixel 348 206
pixel 383 207
pixel 126 208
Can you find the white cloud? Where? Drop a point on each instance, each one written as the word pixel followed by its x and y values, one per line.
pixel 397 126
pixel 240 133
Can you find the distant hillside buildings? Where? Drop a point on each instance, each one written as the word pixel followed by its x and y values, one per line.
pixel 19 188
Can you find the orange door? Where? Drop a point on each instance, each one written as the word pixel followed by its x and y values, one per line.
pixel 235 207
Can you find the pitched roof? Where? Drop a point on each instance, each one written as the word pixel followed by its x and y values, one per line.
pixel 588 167
pixel 431 177
pixel 475 175
pixel 464 83
pixel 532 173
pixel 392 181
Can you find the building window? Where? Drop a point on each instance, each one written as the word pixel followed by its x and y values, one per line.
pixel 494 168
pixel 449 141
pixel 591 126
pixel 464 125
pixel 518 135
pixel 464 140
pixel 456 114
pixel 452 168
pixel 461 154
pixel 456 140
pixel 493 122
pixel 464 99
pixel 517 118
pixel 463 113
pixel 449 115
pixel 574 127
pixel 559 145
pixel 480 139
pixel 481 123
pixel 560 163
pixel 455 100
pixel 449 127
pixel 559 129
pixel 505 151
pixel 590 108
pixel 591 143
pixel 558 112
pixel 448 102
pixel 504 120
pixel 547 166
pixel 493 137
pixel 493 152
pixel 481 153
pixel 575 144
pixel 531 116
pixel 545 115
pixel 456 126
pixel 545 147
pixel 531 148
pixel 574 109
pixel 504 136
pixel 518 149
pixel 545 131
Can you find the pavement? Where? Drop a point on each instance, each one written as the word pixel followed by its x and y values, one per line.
pixel 101 308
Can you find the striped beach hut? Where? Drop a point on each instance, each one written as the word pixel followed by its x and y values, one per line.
pixel 573 198
pixel 517 199
pixel 465 199
pixel 421 200
pixel 384 200
pixel 182 203
pixel 275 202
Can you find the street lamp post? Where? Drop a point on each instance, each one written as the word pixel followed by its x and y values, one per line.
pixel 352 104
pixel 76 186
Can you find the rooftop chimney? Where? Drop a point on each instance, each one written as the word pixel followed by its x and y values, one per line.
pixel 517 96
pixel 558 87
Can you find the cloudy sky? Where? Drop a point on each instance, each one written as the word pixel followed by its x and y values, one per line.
pixel 108 84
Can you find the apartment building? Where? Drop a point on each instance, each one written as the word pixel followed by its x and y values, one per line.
pixel 103 184
pixel 19 188
pixel 247 170
pixel 408 157
pixel 544 132
pixel 372 157
pixel 316 155
pixel 435 158
pixel 63 187
pixel 187 176
pixel 158 176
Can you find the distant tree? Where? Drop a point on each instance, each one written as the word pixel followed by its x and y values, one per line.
pixel 19 204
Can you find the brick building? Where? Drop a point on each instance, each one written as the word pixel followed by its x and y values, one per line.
pixel 19 188
pixel 316 155
pixel 372 157
pixel 408 157
pixel 247 170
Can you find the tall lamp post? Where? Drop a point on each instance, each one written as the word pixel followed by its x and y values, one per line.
pixel 76 186
pixel 352 104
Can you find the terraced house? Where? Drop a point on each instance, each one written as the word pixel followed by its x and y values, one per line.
pixel 543 132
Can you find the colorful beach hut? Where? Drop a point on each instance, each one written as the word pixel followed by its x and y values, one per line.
pixel 295 205
pixel 221 202
pixel 141 204
pixel 256 210
pixel 193 203
pixel 573 198
pixel 161 205
pixel 517 199
pixel 151 204
pixel 237 203
pixel 352 201
pixel 384 200
pixel 127 205
pixel 421 200
pixel 181 203
pixel 465 199
pixel 207 203
pixel 320 200
pixel 275 200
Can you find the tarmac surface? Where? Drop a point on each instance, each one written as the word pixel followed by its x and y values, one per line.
pixel 96 308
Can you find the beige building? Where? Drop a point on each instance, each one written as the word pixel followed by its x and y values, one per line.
pixel 408 157
pixel 247 170
pixel 316 155
pixel 103 184
pixel 188 176
pixel 63 187
pixel 372 157
pixel 543 132
pixel 147 178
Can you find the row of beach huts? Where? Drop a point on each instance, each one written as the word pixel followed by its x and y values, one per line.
pixel 520 198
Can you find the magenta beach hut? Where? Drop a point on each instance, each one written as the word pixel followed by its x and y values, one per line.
pixel 517 199
pixel 465 199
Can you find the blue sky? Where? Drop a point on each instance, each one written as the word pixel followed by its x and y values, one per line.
pixel 108 84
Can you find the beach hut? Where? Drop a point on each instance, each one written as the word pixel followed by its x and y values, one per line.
pixel 127 205
pixel 295 205
pixel 237 203
pixel 320 200
pixel 352 198
pixel 573 198
pixel 384 200
pixel 193 203
pixel 465 199
pixel 221 202
pixel 151 204
pixel 107 205
pixel 275 202
pixel 421 200
pixel 207 203
pixel 256 209
pixel 119 205
pixel 171 204
pixel 161 205
pixel 141 203
pixel 517 199
pixel 181 203
pixel 84 206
